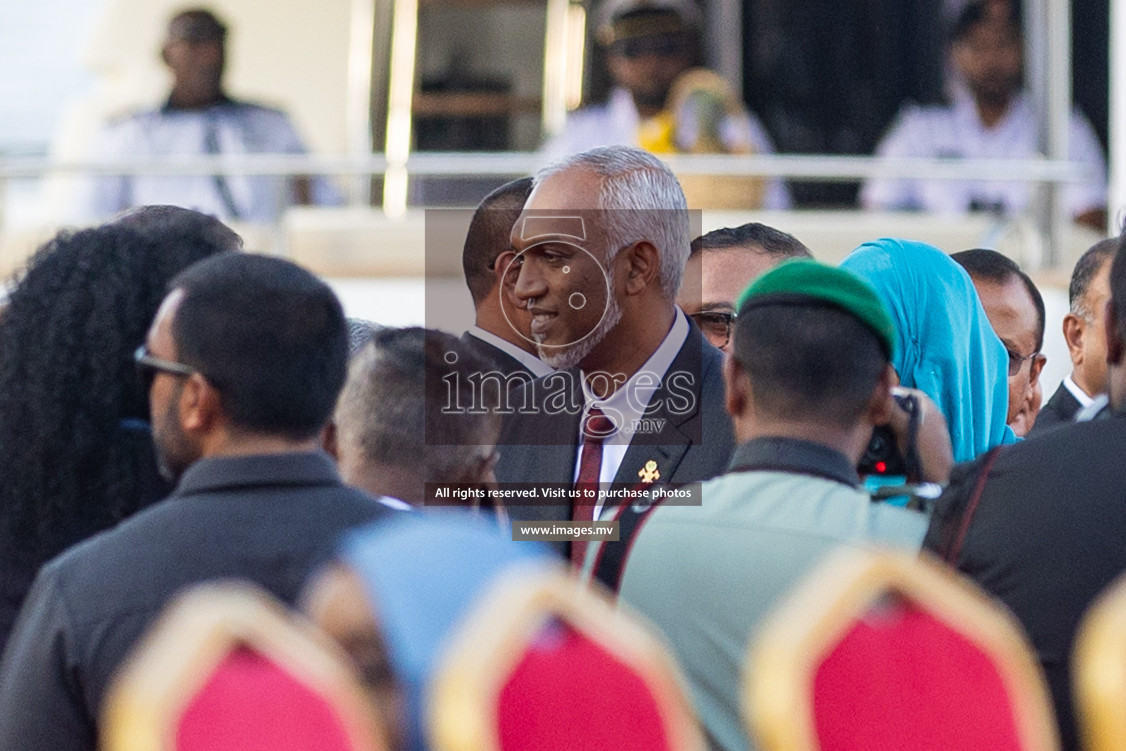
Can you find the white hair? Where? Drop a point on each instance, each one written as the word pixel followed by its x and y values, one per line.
pixel 390 409
pixel 565 357
pixel 647 204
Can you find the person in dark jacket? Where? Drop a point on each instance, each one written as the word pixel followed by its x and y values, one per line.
pixel 243 365
pixel 1084 329
pixel 1039 525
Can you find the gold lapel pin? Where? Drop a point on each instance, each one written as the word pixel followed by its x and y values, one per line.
pixel 649 473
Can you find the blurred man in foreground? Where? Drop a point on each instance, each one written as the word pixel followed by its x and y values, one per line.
pixel 808 381
pixel 243 365
pixel 409 423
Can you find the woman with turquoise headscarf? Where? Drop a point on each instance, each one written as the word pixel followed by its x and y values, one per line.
pixel 946 347
pixel 397 592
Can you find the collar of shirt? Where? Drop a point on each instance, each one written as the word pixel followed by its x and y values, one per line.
pixel 1016 114
pixel 1079 394
pixel 538 367
pixel 392 502
pixel 628 404
pixel 222 101
pixel 623 112
pixel 777 454
pixel 269 470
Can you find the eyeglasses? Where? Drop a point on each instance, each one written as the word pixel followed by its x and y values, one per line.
pixel 148 366
pixel 716 326
pixel 1016 360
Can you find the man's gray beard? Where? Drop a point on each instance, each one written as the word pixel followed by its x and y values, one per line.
pixel 568 357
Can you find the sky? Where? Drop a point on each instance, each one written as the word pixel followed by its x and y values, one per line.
pixel 41 48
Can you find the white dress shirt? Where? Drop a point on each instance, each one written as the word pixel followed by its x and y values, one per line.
pixel 239 128
pixel 1079 394
pixel 957 132
pixel 627 405
pixel 394 503
pixel 538 367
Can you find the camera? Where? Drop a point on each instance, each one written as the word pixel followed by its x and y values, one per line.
pixel 882 457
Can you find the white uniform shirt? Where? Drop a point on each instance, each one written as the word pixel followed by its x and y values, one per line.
pixel 239 128
pixel 957 131
pixel 616 123
pixel 626 406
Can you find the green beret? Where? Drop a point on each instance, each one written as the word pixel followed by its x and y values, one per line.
pixel 804 281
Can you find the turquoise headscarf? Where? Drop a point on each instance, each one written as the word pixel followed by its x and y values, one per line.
pixel 947 349
pixel 423 573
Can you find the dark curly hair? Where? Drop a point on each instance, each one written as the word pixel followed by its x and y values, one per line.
pixel 73 438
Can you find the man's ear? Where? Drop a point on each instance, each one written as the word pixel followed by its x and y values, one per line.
pixel 1073 330
pixel 644 266
pixel 329 442
pixel 1114 346
pixel 737 387
pixel 881 403
pixel 960 56
pixel 502 264
pixel 506 273
pixel 200 406
pixel 1035 369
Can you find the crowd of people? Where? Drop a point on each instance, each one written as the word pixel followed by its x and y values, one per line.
pixel 732 378
pixel 660 98
pixel 174 410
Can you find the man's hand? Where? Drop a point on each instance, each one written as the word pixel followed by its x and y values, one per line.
pixel 932 440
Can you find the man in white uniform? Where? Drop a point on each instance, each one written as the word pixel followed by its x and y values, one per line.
pixel 649 44
pixel 199 119
pixel 990 117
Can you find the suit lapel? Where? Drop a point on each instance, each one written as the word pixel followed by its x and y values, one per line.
pixel 557 463
pixel 1068 405
pixel 674 409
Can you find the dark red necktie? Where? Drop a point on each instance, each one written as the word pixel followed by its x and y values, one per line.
pixel 596 427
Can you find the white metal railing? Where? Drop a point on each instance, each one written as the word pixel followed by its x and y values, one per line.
pixel 796 166
pixel 1038 171
pixel 1048 173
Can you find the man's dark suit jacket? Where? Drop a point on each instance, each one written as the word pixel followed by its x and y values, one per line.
pixel 694 443
pixel 1060 410
pixel 1045 534
pixel 505 362
pixel 269 519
